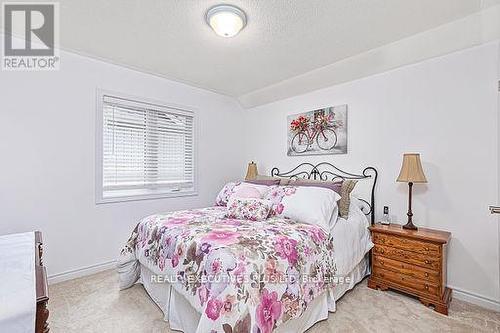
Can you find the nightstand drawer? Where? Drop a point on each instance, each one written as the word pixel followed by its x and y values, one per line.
pixel 408 256
pixel 406 269
pixel 405 281
pixel 407 244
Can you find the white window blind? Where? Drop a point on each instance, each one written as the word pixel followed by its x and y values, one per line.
pixel 147 149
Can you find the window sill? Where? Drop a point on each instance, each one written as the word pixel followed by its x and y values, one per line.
pixel 130 196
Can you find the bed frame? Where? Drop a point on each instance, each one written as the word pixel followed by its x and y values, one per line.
pixel 325 171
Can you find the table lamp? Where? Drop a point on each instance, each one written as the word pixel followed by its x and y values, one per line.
pixel 251 171
pixel 411 172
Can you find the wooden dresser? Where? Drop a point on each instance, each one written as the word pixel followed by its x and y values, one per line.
pixel 411 261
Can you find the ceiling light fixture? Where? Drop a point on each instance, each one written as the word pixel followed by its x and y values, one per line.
pixel 226 20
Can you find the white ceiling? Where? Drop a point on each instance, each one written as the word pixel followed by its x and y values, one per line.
pixel 283 38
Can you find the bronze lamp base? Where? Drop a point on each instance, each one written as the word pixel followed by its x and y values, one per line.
pixel 409 225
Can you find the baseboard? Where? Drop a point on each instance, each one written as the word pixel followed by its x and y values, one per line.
pixel 482 301
pixel 80 272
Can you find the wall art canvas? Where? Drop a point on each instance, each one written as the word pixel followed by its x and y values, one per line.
pixel 318 132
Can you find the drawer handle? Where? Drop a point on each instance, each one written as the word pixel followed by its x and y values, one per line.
pixel 426 274
pixel 426 287
pixel 427 262
pixel 426 248
pixel 382 251
pixel 382 262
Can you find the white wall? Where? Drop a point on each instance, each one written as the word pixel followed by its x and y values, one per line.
pixel 444 108
pixel 47 144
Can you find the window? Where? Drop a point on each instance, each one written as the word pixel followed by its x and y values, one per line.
pixel 145 150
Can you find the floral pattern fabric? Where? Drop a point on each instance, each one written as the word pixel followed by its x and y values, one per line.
pixel 243 276
pixel 248 209
pixel 276 195
pixel 224 194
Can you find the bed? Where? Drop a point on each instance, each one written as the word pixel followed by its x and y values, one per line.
pixel 211 273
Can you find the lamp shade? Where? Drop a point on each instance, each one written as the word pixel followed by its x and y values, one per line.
pixel 411 170
pixel 251 171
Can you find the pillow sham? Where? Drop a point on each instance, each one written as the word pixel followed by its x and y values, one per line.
pixel 332 185
pixel 312 205
pixel 285 181
pixel 275 195
pixel 263 189
pixel 224 194
pixel 246 192
pixel 282 181
pixel 264 177
pixel 248 209
pixel 267 182
pixel 345 193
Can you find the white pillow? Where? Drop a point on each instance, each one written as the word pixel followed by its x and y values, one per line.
pixel 312 205
pixel 335 217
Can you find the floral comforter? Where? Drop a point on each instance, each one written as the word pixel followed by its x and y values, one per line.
pixel 243 276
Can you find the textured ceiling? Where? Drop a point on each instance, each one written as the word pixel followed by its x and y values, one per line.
pixel 283 38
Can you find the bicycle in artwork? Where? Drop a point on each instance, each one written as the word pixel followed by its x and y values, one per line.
pixel 319 131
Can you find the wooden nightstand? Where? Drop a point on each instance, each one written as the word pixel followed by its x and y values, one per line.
pixel 411 261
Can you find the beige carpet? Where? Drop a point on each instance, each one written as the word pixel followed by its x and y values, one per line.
pixel 94 304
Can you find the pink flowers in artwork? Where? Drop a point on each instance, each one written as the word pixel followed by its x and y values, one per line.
pixel 286 248
pixel 268 311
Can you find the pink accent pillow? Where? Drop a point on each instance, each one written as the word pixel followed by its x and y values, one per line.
pixel 248 209
pixel 246 192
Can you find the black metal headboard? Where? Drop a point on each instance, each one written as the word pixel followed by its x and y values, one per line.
pixel 328 172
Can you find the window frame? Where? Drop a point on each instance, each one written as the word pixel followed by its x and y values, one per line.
pixel 144 193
